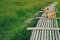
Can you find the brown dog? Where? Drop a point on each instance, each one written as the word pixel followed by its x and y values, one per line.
pixel 50 12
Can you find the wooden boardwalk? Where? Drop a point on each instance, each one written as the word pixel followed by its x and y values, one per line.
pixel 46 28
pixel 46 34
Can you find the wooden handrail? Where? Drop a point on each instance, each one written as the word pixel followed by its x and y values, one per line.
pixel 47 18
pixel 36 28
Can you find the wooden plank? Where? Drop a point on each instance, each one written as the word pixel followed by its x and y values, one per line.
pixel 35 28
pixel 46 18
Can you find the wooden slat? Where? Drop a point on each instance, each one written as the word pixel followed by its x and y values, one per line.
pixel 46 18
pixel 33 28
pixel 57 30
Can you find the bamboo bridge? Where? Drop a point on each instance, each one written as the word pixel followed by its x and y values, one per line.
pixel 46 28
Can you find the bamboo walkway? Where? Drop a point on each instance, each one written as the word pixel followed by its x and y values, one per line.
pixel 46 34
pixel 46 29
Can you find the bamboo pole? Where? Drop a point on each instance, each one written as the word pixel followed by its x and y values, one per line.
pixel 43 28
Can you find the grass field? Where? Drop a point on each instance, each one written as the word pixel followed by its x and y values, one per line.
pixel 17 15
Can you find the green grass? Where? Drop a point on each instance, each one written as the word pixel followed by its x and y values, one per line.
pixel 14 13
